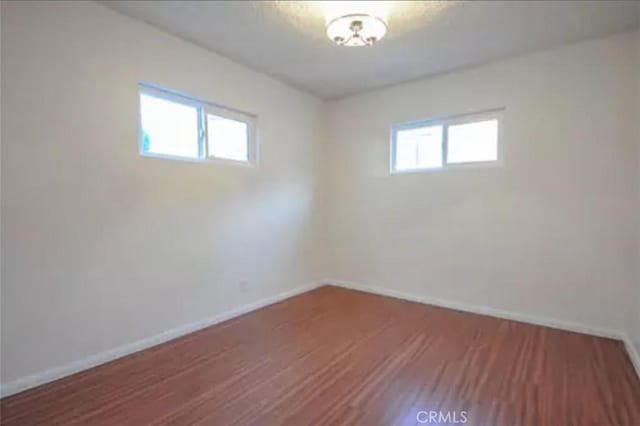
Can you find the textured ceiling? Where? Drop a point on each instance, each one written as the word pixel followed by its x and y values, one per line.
pixel 285 39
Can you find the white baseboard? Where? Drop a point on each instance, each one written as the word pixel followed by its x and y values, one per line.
pixel 47 376
pixel 484 310
pixel 632 350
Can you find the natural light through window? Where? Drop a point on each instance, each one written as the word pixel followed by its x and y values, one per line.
pixel 473 142
pixel 419 148
pixel 227 138
pixel 168 128
pixel 175 126
pixel 449 142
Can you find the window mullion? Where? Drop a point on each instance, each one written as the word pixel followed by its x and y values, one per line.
pixel 445 143
pixel 202 133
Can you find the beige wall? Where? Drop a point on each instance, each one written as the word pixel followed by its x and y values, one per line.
pixel 551 234
pixel 102 247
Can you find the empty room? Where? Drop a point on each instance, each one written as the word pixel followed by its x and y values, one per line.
pixel 320 213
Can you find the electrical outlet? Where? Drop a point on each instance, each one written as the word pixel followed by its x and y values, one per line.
pixel 244 286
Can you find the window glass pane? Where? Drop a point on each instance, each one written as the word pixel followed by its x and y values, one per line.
pixel 419 148
pixel 227 138
pixel 473 142
pixel 168 128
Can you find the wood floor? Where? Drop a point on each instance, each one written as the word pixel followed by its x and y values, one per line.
pixel 335 356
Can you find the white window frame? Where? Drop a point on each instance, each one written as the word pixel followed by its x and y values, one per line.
pixel 445 122
pixel 203 107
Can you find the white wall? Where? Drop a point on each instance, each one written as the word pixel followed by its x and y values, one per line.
pixel 551 234
pixel 101 247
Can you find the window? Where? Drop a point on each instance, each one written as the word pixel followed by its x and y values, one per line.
pixel 180 127
pixel 448 142
pixel 168 128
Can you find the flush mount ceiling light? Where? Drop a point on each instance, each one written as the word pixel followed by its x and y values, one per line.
pixel 356 23
pixel 356 30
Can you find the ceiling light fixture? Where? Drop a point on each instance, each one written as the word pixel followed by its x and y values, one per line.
pixel 356 23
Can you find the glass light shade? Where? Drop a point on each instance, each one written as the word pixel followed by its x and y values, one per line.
pixel 356 29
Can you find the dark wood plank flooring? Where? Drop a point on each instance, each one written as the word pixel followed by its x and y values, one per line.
pixel 335 356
